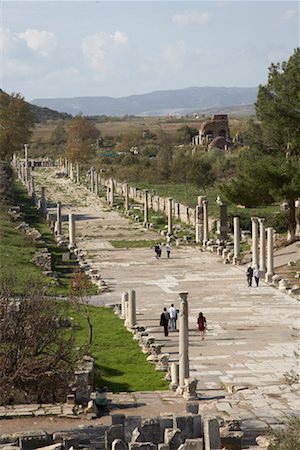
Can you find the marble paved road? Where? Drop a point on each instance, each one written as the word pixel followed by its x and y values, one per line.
pixel 253 333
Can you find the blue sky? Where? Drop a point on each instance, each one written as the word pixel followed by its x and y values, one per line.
pixel 118 48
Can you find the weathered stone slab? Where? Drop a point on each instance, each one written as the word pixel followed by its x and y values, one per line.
pixel 114 432
pixel 211 434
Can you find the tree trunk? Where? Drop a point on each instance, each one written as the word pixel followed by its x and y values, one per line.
pixel 291 234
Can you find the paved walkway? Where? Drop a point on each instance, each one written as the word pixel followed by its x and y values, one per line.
pixel 253 333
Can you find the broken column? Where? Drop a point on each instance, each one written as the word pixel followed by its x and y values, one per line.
pixel 72 239
pixel 254 242
pixel 198 225
pixel 236 240
pixel 270 255
pixel 96 182
pixel 146 219
pixel 58 218
pixel 184 371
pixel 111 181
pixel 26 161
pixel 43 201
pixel 92 179
pixel 124 300
pixel 262 246
pixel 174 376
pixel 71 171
pixel 223 230
pixel 131 319
pixel 77 174
pixel 126 197
pixel 205 222
pixel 170 224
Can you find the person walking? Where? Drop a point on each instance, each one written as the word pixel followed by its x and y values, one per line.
pixel 156 249
pixel 168 249
pixel 201 321
pixel 256 274
pixel 249 275
pixel 164 321
pixel 173 316
pixel 159 250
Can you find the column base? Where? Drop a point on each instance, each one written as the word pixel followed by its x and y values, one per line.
pixel 268 277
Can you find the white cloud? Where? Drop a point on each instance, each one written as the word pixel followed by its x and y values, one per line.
pixel 173 55
pixel 288 15
pixel 100 48
pixel 7 40
pixel 191 18
pixel 40 41
pixel 14 67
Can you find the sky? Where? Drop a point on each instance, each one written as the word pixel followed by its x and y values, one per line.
pixel 52 49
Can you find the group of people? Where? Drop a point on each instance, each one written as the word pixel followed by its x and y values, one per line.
pixel 168 320
pixel 250 273
pixel 158 250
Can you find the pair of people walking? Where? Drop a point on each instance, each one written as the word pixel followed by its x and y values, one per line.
pixel 168 319
pixel 250 273
pixel 158 250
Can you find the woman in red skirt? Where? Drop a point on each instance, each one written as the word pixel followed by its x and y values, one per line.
pixel 201 325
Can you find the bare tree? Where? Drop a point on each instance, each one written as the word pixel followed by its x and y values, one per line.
pixel 81 300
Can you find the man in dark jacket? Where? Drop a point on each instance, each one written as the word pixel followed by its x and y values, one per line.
pixel 164 321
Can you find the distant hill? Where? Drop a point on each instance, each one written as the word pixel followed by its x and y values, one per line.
pixel 157 103
pixel 42 114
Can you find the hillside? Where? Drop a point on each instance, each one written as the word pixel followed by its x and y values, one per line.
pixel 157 103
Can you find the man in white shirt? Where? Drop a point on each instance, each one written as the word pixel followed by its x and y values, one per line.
pixel 173 316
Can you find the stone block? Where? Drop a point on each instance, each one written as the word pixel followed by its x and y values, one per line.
pixel 211 433
pixel 114 432
pixel 163 447
pixel 164 422
pixel 192 444
pixel 34 440
pixel 118 444
pixel 131 422
pixel 192 407
pixel 189 425
pixel 148 431
pixel 142 446
pixel 232 440
pixel 118 419
pixel 173 437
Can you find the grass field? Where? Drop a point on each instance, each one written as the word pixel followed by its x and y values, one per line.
pixel 120 364
pixel 17 250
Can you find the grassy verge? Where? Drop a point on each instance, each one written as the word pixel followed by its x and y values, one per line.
pixel 120 364
pixel 17 250
pixel 133 244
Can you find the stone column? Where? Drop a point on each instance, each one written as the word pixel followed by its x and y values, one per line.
pixel 174 376
pixel 71 171
pixel 236 241
pixel 77 174
pixel 96 183
pixel 58 218
pixel 254 242
pixel 108 195
pixel 184 371
pixel 72 239
pixel 92 179
pixel 26 161
pixel 262 246
pixel 198 225
pixel 111 191
pixel 170 224
pixel 43 201
pixel 126 198
pixel 223 221
pixel 146 213
pixel 131 319
pixel 205 222
pixel 124 300
pixel 270 255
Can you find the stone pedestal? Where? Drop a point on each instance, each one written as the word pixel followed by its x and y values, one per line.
pixel 174 376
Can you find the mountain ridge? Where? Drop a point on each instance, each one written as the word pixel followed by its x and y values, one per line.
pixel 163 102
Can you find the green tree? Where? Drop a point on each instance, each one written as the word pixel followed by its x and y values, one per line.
pixel 58 136
pixel 202 174
pixel 16 121
pixel 273 169
pixel 185 134
pixel 81 140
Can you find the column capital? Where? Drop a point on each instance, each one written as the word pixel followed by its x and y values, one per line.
pixel 261 220
pixel 254 219
pixel 183 296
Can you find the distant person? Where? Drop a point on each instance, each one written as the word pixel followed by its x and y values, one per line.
pixel 168 249
pixel 156 249
pixel 201 321
pixel 173 316
pixel 159 250
pixel 249 275
pixel 164 321
pixel 257 275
